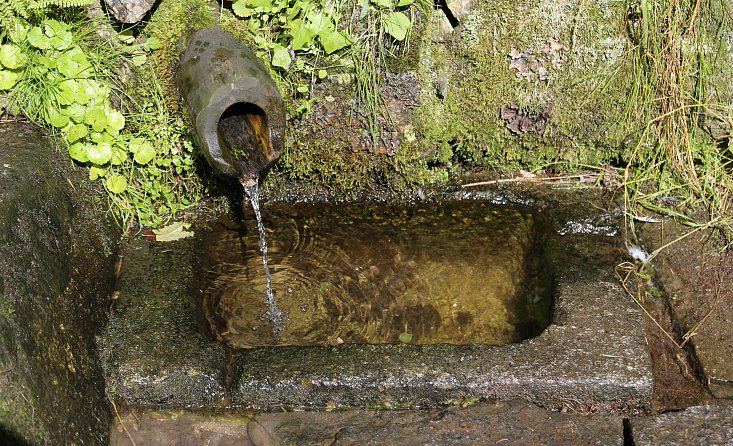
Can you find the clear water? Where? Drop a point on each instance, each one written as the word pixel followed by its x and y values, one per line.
pixel 456 273
pixel 277 318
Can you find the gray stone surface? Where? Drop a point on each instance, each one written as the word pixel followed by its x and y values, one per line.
pixel 152 351
pixel 129 11
pixel 695 426
pixel 501 423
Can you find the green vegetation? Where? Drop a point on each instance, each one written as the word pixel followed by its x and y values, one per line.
pixel 59 74
pixel 680 165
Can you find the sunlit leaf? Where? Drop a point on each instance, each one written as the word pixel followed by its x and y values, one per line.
pixel 96 117
pixel 402 3
pixel 281 57
pixel 115 120
pixel 56 119
pixel 12 57
pixel 8 79
pixel 38 39
pixel 96 172
pixel 119 155
pixel 18 31
pixel 302 35
pixel 333 40
pixel 240 8
pixel 116 184
pixel 396 24
pixel 145 153
pixel 78 152
pixel 174 231
pixel 382 3
pixel 76 132
pixel 100 153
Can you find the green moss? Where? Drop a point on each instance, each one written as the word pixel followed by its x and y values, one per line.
pixel 566 66
pixel 18 420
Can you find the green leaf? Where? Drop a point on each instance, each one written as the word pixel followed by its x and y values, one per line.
pixel 281 57
pixel 56 119
pixel 38 39
pixel 240 8
pixel 302 35
pixel 145 153
pixel 95 172
pixel 75 112
pixel 139 59
pixel 76 132
pixel 402 3
pixel 333 40
pixel 119 155
pixel 96 117
pixel 78 152
pixel 115 120
pixel 116 184
pixel 8 79
pixel 152 43
pixel 405 337
pixel 12 56
pixel 382 3
pixel 18 32
pixel 322 74
pixel 100 154
pixel 396 24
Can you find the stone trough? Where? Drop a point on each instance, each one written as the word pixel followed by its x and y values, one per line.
pixel 592 355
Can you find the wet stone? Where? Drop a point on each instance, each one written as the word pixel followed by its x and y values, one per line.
pixel 179 428
pixel 152 350
pixel 694 426
pixel 501 423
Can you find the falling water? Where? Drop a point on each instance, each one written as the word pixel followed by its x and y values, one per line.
pixel 276 316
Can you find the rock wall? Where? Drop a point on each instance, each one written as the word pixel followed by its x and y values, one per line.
pixel 56 278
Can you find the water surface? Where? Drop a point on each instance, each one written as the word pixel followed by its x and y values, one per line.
pixel 464 272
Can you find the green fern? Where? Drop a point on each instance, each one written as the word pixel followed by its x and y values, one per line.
pixel 12 10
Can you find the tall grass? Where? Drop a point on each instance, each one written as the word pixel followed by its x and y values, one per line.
pixel 678 167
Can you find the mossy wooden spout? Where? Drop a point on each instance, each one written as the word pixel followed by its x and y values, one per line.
pixel 237 113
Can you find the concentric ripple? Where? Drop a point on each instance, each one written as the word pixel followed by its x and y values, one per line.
pixel 457 273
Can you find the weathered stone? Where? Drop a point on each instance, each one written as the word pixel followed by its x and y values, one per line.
pixel 505 423
pixel 55 281
pixel 695 426
pixel 151 349
pixel 698 281
pixel 129 11
pixel 592 356
pixel 153 428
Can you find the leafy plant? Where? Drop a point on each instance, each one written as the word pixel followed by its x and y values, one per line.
pixel 57 78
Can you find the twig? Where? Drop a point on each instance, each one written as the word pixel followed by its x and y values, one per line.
pixel 630 268
pixel 114 406
pixel 527 179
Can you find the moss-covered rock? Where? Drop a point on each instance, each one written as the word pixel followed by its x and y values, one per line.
pixel 56 279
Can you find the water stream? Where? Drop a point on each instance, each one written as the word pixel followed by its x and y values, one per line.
pixel 277 317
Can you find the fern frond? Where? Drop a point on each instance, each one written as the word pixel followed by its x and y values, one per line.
pixel 11 10
pixel 42 4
